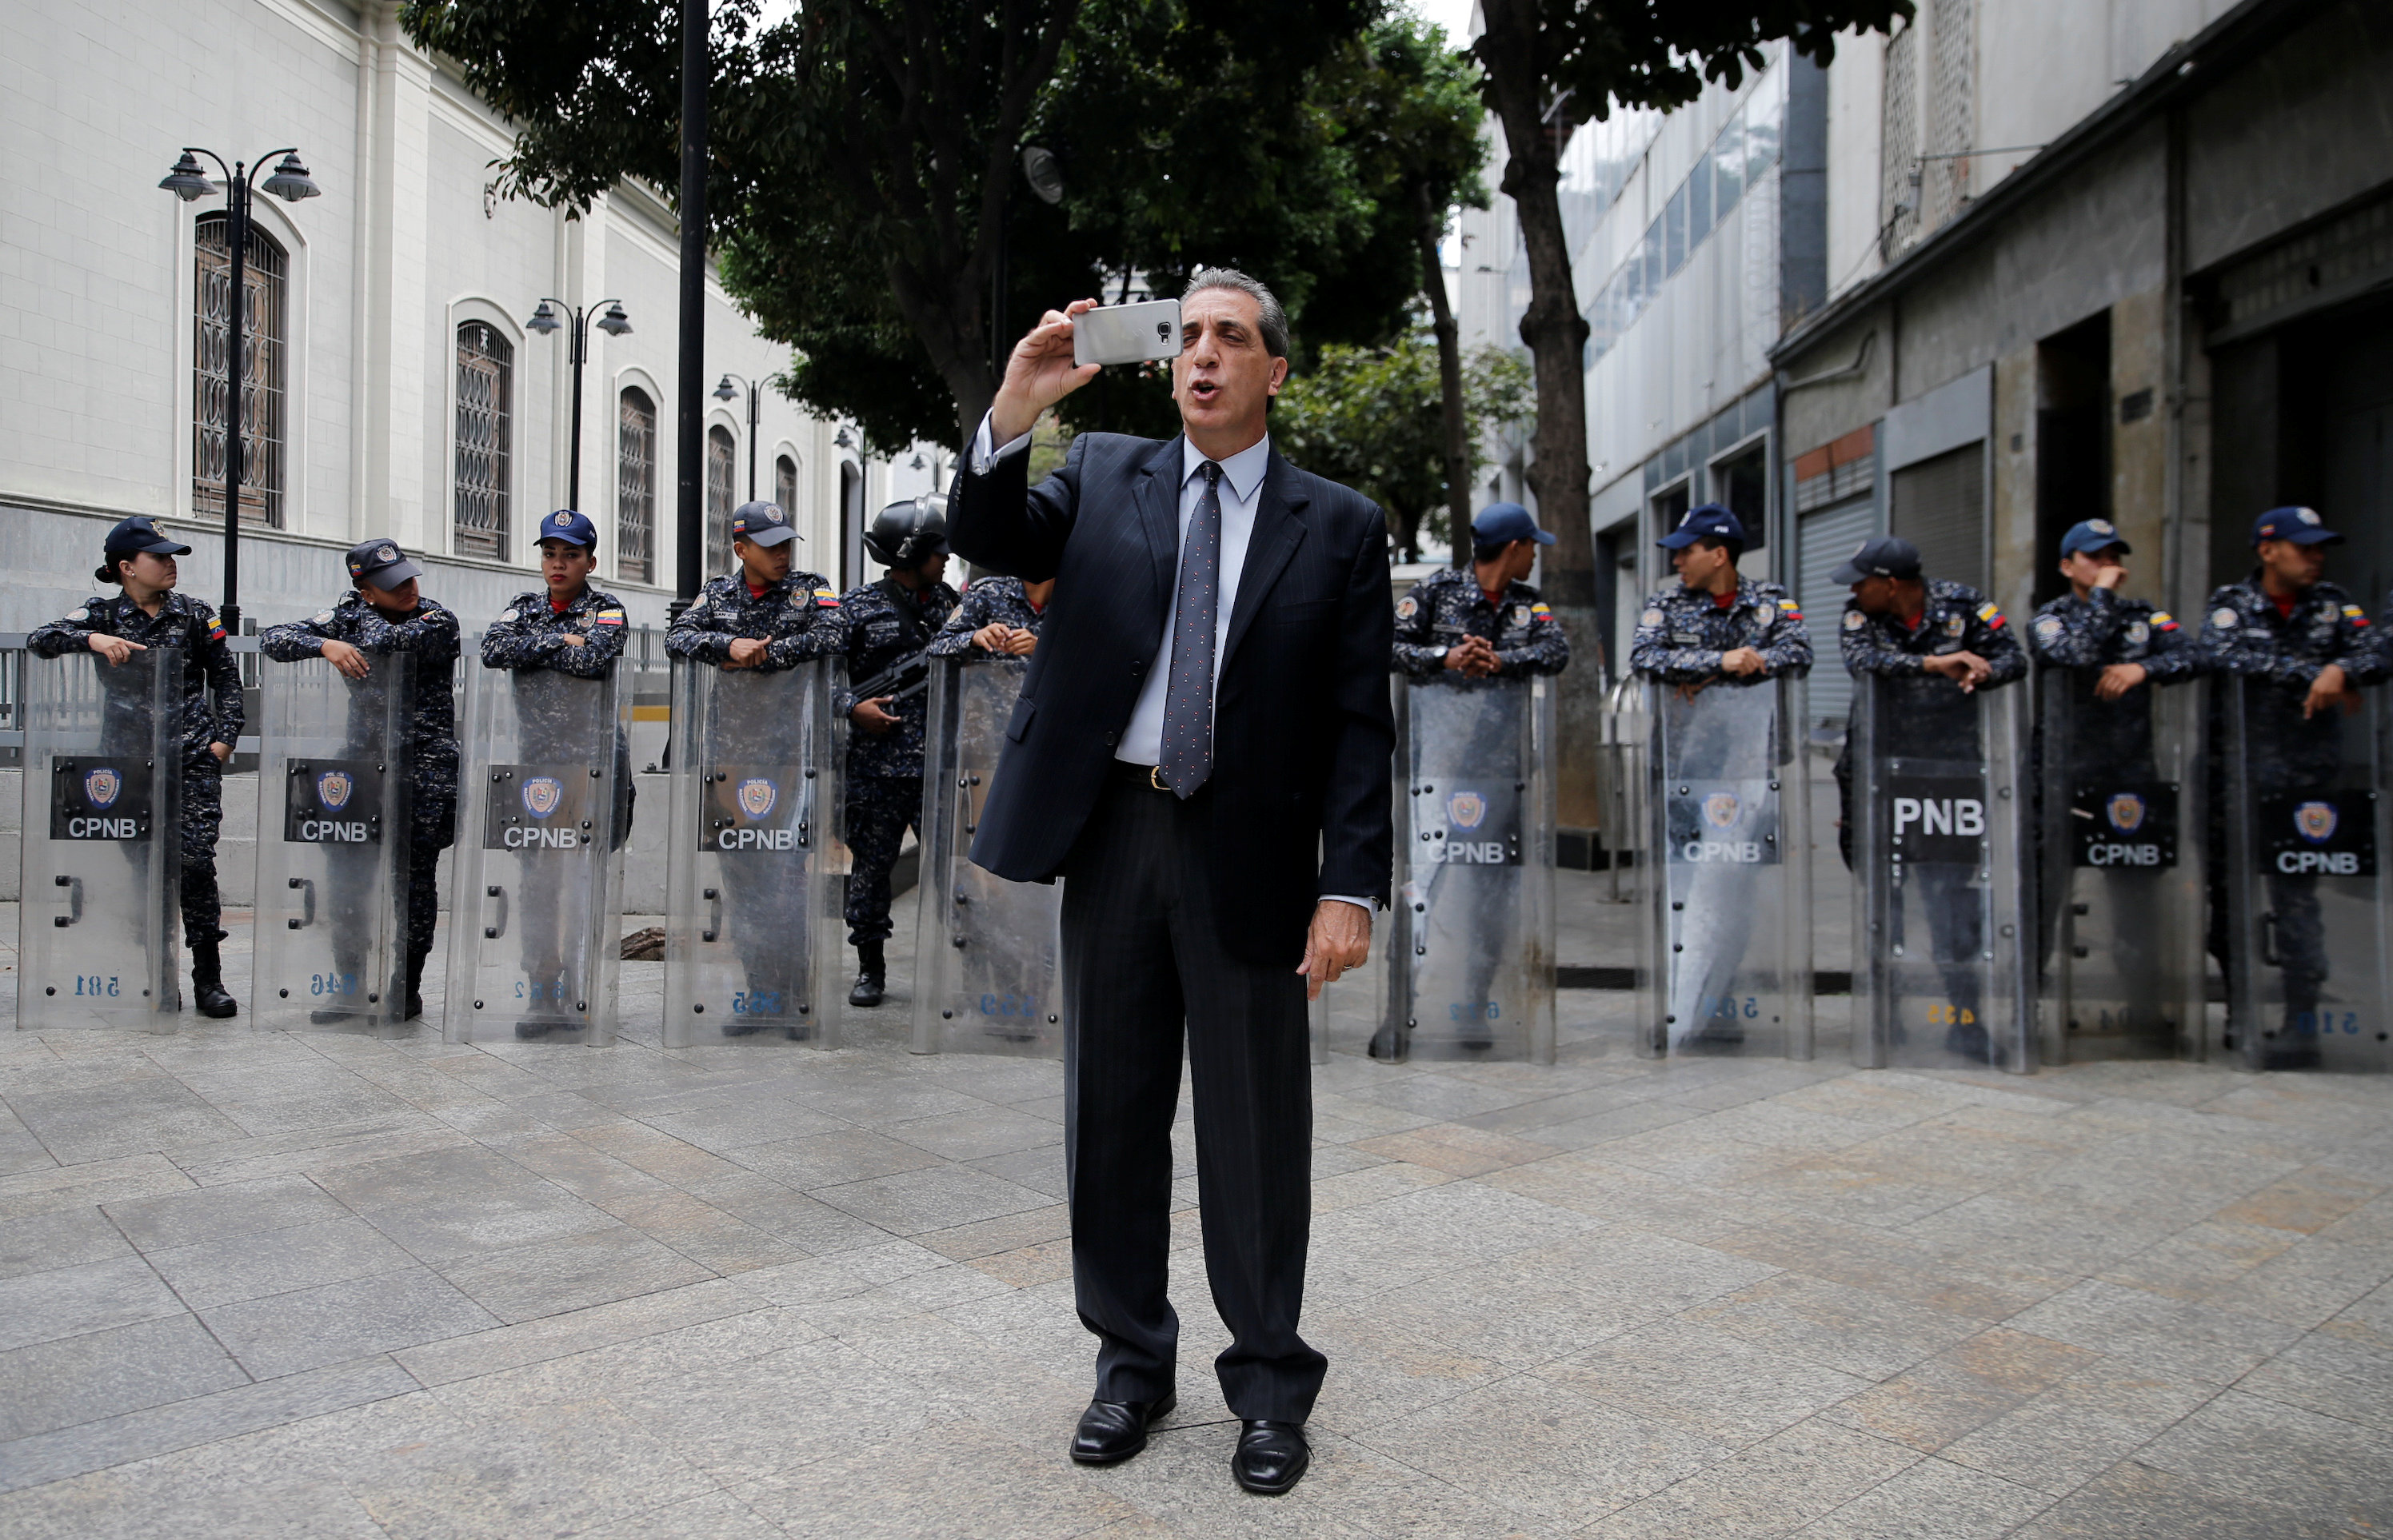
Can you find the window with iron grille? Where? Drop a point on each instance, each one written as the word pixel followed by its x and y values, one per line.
pixel 635 488
pixel 486 368
pixel 264 305
pixel 785 486
pixel 720 453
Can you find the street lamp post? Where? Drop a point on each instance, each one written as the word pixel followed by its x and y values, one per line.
pixel 615 323
pixel 188 181
pixel 725 391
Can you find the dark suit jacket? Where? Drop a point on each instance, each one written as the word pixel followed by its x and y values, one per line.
pixel 1302 733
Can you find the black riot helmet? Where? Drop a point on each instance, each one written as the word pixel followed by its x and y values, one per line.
pixel 909 533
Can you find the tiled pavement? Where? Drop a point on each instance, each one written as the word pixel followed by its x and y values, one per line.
pixel 266 1285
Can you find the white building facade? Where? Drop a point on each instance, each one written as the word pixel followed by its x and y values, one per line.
pixel 394 386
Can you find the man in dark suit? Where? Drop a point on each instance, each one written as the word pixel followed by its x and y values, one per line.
pixel 1201 752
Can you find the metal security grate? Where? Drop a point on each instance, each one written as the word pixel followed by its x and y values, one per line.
pixel 486 367
pixel 635 488
pixel 264 289
pixel 720 454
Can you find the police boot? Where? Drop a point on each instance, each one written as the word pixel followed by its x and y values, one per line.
pixel 871 974
pixel 415 986
pixel 207 979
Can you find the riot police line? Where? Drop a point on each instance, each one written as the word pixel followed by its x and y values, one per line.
pixel 2045 839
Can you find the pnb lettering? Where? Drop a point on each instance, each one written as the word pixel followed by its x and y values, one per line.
pixel 1957 815
pixel 2329 862
pixel 755 839
pixel 541 839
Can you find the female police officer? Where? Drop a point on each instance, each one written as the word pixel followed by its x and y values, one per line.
pixel 149 613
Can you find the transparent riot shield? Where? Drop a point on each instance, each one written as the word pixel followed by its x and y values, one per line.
pixel 753 912
pixel 533 922
pixel 2306 895
pixel 2119 885
pixel 1471 951
pixel 1940 975
pixel 1730 970
pixel 988 953
pixel 96 930
pixel 331 844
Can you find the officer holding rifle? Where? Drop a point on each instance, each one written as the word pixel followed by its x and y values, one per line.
pixel 889 624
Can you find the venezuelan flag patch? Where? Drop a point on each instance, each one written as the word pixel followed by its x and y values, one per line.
pixel 2355 615
pixel 1990 614
pixel 2162 620
pixel 825 599
pixel 607 618
pixel 1792 612
pixel 215 631
pixel 1541 609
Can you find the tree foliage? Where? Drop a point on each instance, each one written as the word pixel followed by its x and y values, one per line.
pixel 863 163
pixel 1368 418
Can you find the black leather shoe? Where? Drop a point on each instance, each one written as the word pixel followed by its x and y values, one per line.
pixel 1111 1431
pixel 414 1006
pixel 210 996
pixel 1271 1457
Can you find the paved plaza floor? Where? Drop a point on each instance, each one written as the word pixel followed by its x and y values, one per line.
pixel 279 1284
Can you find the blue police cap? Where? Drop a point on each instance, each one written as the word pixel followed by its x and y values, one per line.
pixel 567 524
pixel 137 535
pixel 2302 525
pixel 1878 556
pixel 1710 520
pixel 380 562
pixel 762 523
pixel 1502 522
pixel 2093 534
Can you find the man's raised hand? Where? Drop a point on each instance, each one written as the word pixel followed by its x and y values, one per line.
pixel 1038 373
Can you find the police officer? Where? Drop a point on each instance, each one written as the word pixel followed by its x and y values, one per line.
pixel 2309 648
pixel 149 613
pixel 2118 649
pixel 1712 628
pixel 1912 629
pixel 997 615
pixel 385 612
pixel 888 623
pixel 1486 621
pixel 768 616
pixel 1711 624
pixel 568 627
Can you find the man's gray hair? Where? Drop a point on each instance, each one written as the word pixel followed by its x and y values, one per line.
pixel 1275 320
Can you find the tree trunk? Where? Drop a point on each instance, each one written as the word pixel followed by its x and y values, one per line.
pixel 1513 52
pixel 1449 379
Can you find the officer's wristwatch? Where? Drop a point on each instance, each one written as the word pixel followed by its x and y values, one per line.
pixel 1438 653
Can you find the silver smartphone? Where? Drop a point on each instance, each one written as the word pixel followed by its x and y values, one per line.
pixel 1127 333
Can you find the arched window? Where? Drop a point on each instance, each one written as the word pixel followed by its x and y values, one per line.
pixel 785 485
pixel 851 516
pixel 635 488
pixel 266 275
pixel 485 370
pixel 720 454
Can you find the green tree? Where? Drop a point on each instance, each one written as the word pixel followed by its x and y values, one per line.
pixel 864 160
pixel 1371 418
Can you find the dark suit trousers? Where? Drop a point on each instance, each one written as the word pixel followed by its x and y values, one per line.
pixel 1142 955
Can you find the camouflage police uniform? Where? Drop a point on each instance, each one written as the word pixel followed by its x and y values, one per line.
pixel 884 625
pixel 1681 636
pixel 2243 638
pixel 2113 738
pixel 188 627
pixel 798 617
pixel 1925 715
pixel 1683 632
pixel 1448 606
pixel 991 601
pixel 428 633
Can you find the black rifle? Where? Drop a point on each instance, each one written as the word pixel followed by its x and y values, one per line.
pixel 908 676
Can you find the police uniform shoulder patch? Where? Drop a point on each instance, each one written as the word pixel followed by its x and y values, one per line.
pixel 2047 628
pixel 2164 620
pixel 1990 613
pixel 2224 617
pixel 1540 610
pixel 2139 633
pixel 1651 618
pixel 78 614
pixel 1520 615
pixel 2356 615
pixel 609 618
pixel 1407 607
pixel 324 617
pixel 1855 619
pixel 1954 625
pixel 506 615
